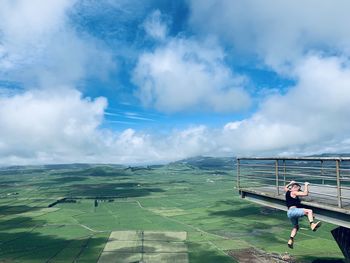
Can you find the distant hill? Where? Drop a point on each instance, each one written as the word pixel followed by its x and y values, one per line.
pixel 197 162
pixel 331 155
pixel 209 163
pixel 72 166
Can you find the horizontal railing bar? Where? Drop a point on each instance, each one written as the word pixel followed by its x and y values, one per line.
pixel 324 185
pixel 263 171
pixel 253 170
pixel 295 171
pixel 256 182
pixel 320 185
pixel 296 158
pixel 345 179
pixel 281 170
pixel 287 179
pixel 318 193
pixel 259 173
pixel 281 166
pixel 263 177
pixel 249 176
pixel 273 189
pixel 281 180
pixel 307 167
pixel 247 179
pixel 315 184
pixel 257 165
pixel 272 177
pixel 325 176
pixel 259 184
pixel 257 170
pixel 310 175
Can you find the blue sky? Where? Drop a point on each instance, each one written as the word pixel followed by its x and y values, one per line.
pixel 159 80
pixel 128 34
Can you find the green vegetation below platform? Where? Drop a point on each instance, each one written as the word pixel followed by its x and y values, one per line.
pixel 178 197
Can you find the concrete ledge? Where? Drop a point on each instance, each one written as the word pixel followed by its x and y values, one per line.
pixel 333 215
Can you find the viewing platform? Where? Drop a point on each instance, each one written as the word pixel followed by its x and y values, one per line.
pixel 262 180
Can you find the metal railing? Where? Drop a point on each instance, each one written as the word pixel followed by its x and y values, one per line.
pixel 329 175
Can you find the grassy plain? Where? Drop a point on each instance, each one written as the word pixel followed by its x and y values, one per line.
pixel 178 197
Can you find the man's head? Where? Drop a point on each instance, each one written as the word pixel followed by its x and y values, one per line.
pixel 295 187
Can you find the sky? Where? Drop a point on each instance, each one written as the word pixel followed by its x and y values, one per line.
pixel 154 81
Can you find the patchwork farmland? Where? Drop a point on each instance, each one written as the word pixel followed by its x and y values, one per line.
pixel 181 212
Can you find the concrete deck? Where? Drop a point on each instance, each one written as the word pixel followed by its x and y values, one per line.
pixel 325 207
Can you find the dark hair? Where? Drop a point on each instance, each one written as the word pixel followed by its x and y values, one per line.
pixel 295 184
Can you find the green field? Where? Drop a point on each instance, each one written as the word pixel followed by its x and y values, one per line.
pixel 178 197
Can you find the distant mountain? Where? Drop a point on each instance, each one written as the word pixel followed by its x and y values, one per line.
pixel 331 155
pixel 198 162
pixel 80 166
pixel 209 163
pixel 72 166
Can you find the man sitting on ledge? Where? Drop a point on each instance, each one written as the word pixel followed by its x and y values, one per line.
pixel 293 191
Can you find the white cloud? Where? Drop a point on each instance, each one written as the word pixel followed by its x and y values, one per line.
pixel 187 75
pixel 190 142
pixel 40 46
pixel 155 26
pixel 43 126
pixel 58 125
pixel 27 21
pixel 46 126
pixel 26 27
pixel 311 117
pixel 280 32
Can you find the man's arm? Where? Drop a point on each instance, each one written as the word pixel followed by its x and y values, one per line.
pixel 305 192
pixel 286 187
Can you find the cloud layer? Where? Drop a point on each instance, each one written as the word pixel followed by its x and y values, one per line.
pixel 187 75
pixel 310 117
pixel 279 32
pixel 51 121
pixel 40 46
pixel 43 126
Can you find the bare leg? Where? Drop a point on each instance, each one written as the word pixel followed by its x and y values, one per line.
pixel 294 232
pixel 310 216
pixel 292 235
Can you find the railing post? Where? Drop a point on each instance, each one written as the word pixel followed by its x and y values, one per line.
pixel 284 172
pixel 238 173
pixel 322 171
pixel 276 171
pixel 337 168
